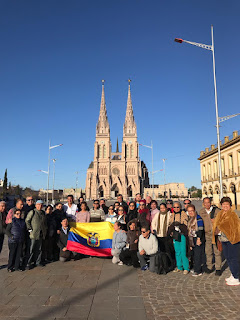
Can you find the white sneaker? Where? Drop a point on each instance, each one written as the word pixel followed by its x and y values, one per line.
pixel 233 282
pixel 229 278
pixel 120 263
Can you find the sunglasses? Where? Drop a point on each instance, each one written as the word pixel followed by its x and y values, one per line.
pixel 143 231
pixel 95 203
pixel 187 203
pixel 176 207
pixel 30 200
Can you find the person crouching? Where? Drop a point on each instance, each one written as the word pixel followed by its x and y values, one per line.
pixel 148 247
pixel 118 242
pixel 15 231
pixel 65 254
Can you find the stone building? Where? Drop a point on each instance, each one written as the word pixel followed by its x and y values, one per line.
pixel 167 190
pixel 122 171
pixel 230 165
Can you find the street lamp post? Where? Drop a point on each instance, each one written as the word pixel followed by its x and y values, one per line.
pixel 151 147
pixel 164 177
pixel 76 185
pixel 54 161
pixel 50 147
pixel 218 119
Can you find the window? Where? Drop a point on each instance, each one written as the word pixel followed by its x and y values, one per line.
pixel 215 169
pixel 100 151
pixel 209 171
pixel 230 164
pixel 104 152
pixel 204 172
pixel 127 151
pixel 223 166
pixel 131 151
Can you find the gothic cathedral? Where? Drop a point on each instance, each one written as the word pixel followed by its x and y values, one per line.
pixel 111 173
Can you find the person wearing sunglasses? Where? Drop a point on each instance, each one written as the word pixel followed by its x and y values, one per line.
pixel 96 214
pixel 186 203
pixel 132 212
pixel 147 249
pixel 122 217
pixel 179 232
pixel 144 216
pixel 170 205
pixel 111 216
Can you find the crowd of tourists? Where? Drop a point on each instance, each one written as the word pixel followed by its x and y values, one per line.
pixel 159 238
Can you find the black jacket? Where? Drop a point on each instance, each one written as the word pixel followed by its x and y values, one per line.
pixel 2 222
pixel 62 240
pixel 16 230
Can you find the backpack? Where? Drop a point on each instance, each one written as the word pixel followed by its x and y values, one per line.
pixel 163 263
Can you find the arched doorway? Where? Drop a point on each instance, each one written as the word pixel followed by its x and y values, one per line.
pixel 114 191
pixel 233 189
pixel 101 192
pixel 129 191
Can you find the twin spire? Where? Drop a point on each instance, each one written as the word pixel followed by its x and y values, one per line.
pixel 129 127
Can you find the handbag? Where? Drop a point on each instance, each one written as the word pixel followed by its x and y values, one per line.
pixel 219 245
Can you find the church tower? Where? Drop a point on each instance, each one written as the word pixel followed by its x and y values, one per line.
pixel 130 152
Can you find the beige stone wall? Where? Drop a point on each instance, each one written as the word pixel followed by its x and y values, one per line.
pixel 177 189
pixel 230 165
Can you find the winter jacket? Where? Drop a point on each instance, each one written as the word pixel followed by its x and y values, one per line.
pixel 16 230
pixel 51 226
pixel 2 222
pixel 207 217
pixel 58 216
pixel 36 223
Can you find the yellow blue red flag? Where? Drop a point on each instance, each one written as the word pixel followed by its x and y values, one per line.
pixel 94 238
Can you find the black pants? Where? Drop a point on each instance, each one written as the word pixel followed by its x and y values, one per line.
pixel 26 249
pixel 165 244
pixel 1 241
pixel 15 251
pixel 198 257
pixel 35 252
pixel 50 249
pixel 129 257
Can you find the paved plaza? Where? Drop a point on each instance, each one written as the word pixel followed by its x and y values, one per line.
pixel 95 289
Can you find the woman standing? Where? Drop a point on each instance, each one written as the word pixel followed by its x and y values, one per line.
pixel 143 213
pixel 154 209
pixel 226 229
pixel 179 232
pixel 84 215
pixel 122 217
pixel 132 212
pixel 111 216
pixel 160 226
pixel 196 238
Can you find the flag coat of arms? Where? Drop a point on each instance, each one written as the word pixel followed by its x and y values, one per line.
pixel 94 238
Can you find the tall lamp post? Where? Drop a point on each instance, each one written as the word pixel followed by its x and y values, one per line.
pixel 76 185
pixel 54 161
pixel 49 149
pixel 218 119
pixel 164 177
pixel 151 147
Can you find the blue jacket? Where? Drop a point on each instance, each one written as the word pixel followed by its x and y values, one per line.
pixel 16 230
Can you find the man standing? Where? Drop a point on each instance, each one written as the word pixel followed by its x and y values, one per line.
pixel 137 199
pixel 27 241
pixel 19 206
pixel 29 205
pixel 3 214
pixel 148 202
pixel 70 208
pixel 122 203
pixel 186 203
pixel 96 214
pixel 148 247
pixel 103 206
pixel 208 214
pixel 36 223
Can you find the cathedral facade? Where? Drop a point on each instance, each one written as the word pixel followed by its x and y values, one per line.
pixel 111 173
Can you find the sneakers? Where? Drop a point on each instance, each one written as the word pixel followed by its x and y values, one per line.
pixel 233 282
pixel 218 273
pixel 229 278
pixel 185 272
pixel 195 274
pixel 144 268
pixel 177 270
pixel 120 263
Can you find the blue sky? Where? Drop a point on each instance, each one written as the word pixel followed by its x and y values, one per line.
pixel 54 54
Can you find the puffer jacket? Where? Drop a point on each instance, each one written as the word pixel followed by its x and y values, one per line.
pixel 16 230
pixel 2 222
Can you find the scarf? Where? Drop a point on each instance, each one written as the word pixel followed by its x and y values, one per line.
pixel 227 222
pixel 164 227
pixel 192 225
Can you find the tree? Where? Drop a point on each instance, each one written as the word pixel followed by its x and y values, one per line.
pixel 193 188
pixel 5 184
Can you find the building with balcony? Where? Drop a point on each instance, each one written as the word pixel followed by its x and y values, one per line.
pixel 168 190
pixel 230 165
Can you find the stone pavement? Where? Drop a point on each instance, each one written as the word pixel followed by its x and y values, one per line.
pixel 91 288
pixel 95 289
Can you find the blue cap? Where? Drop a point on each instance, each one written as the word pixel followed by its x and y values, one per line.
pixel 39 201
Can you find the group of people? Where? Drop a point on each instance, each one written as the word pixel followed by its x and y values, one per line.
pixel 143 231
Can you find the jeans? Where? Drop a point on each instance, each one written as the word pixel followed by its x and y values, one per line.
pixel 231 253
pixel 115 253
pixel 198 257
pixel 180 253
pixel 143 261
pixel 35 252
pixel 210 250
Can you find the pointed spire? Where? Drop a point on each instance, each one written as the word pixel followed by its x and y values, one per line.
pixel 129 128
pixel 103 124
pixel 117 148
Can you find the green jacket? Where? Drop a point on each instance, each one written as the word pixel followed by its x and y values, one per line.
pixel 37 222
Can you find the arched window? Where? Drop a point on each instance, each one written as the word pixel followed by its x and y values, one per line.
pixel 104 152
pixel 99 151
pixel 131 151
pixel 127 151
